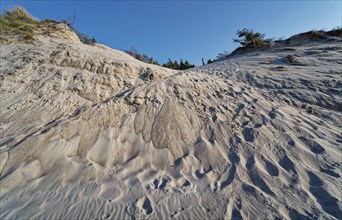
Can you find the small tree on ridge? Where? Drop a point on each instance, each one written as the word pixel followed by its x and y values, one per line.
pixel 250 39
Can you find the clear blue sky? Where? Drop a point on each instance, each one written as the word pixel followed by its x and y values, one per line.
pixel 185 29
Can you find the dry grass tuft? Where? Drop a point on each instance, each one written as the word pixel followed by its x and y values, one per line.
pixel 19 13
pixel 18 22
pixel 316 35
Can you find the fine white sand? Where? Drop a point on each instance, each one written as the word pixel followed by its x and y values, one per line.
pixel 88 132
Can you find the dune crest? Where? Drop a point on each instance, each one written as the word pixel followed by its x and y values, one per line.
pixel 90 132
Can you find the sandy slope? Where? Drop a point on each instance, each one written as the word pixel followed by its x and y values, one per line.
pixel 88 132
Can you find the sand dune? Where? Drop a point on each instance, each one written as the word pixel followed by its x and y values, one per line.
pixel 88 132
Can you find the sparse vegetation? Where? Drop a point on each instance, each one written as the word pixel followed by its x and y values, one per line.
pixel 221 55
pixel 182 65
pixel 250 39
pixel 18 22
pixel 134 52
pixel 83 37
pixel 316 35
pixel 19 25
pixel 210 61
pixel 336 32
pixel 247 39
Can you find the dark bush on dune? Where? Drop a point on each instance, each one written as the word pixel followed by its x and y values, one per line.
pixel 250 39
pixel 182 65
pixel 337 32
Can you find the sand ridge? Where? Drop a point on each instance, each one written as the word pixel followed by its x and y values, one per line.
pixel 104 136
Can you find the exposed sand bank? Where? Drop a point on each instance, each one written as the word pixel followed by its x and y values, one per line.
pixel 88 132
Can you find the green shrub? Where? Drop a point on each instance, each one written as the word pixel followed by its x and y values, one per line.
pixel 210 61
pixel 182 65
pixel 250 39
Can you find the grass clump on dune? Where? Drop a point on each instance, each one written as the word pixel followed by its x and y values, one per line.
pixel 18 25
pixel 18 22
pixel 316 35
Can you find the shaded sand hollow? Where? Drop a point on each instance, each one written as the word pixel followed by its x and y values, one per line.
pixel 88 132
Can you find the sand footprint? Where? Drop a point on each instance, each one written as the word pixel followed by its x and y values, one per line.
pixel 328 202
pixel 235 159
pixel 249 134
pixel 255 176
pixel 110 192
pixel 234 209
pixel 314 146
pixel 144 204
pixel 273 113
pixel 271 168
